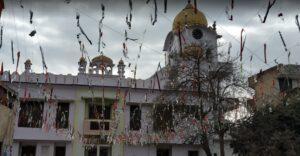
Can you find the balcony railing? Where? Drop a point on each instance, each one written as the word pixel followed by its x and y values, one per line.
pixel 96 127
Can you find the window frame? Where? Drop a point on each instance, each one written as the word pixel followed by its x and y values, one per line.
pixel 135 117
pixel 57 118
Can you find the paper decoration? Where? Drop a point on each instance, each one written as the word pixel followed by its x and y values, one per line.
pixel 80 28
pixel 1 70
pixel 18 59
pixel 265 53
pixel 12 51
pixel 32 33
pixel 43 59
pixel 155 13
pixel 242 44
pixel 297 22
pixel 1 6
pixel 165 6
pixel 1 36
pixel 270 5
pixel 283 42
pixel 31 16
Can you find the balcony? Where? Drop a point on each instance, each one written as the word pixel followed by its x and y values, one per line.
pixel 96 127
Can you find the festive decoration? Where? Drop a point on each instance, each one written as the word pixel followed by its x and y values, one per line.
pixel 242 44
pixel 270 5
pixel 12 51
pixel 81 30
pixel 43 59
pixel 297 22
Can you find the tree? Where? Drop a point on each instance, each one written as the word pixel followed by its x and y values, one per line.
pixel 272 130
pixel 196 80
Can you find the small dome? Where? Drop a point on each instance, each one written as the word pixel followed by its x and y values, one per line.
pixel 188 17
pixel 103 59
pixel 82 59
pixel 121 62
pixel 28 62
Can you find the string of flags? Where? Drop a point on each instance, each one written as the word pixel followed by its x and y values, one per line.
pixel 270 5
pixel 297 22
pixel 265 53
pixel 229 10
pixel 12 51
pixel 43 59
pixel 81 30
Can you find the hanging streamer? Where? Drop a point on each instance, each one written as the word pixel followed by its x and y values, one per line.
pixel 270 5
pixel 251 58
pixel 1 6
pixel 31 16
pixel 18 59
pixel 243 40
pixel 12 51
pixel 155 13
pixel 280 15
pixel 125 50
pixel 283 42
pixel 32 33
pixel 1 70
pixel 229 11
pixel 165 5
pixel 297 22
pixel 128 21
pixel 1 36
pixel 43 59
pixel 229 48
pixel 20 3
pixel 128 38
pixel 67 1
pixel 265 52
pixel 81 30
pixel 100 27
pixel 195 5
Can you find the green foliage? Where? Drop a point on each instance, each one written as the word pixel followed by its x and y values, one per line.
pixel 270 131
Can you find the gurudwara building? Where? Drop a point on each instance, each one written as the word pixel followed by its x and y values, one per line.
pixel 96 113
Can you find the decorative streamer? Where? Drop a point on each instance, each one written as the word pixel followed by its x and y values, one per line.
pixel 1 36
pixel 32 33
pixel 1 70
pixel 128 38
pixel 31 16
pixel 12 51
pixel 229 48
pixel 1 6
pixel 128 22
pixel 125 50
pixel 100 27
pixel 280 15
pixel 270 5
pixel 297 22
pixel 265 52
pixel 80 28
pixel 43 59
pixel 165 5
pixel 251 58
pixel 18 59
pixel 283 42
pixel 155 13
pixel 243 40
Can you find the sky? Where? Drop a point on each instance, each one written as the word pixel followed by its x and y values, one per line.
pixel 56 28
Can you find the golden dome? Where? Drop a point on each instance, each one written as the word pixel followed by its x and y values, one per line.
pixel 103 59
pixel 188 17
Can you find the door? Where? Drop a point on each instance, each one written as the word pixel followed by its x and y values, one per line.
pixel 28 150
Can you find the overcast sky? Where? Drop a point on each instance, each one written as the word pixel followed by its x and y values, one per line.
pixel 55 23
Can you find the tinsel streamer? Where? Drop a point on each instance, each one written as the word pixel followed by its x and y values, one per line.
pixel 12 51
pixel 155 13
pixel 165 5
pixel 297 22
pixel 229 48
pixel 265 52
pixel 100 36
pixel 1 36
pixel 43 59
pixel 103 12
pixel 31 16
pixel 18 59
pixel 242 45
pixel 1 6
pixel 32 33
pixel 283 42
pixel 1 70
pixel 251 57
pixel 128 38
pixel 125 50
pixel 80 28
pixel 270 5
pixel 128 22
pixel 20 3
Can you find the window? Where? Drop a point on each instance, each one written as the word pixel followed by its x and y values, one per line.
pixel 193 153
pixel 104 151
pixel 96 112
pixel 31 114
pixel 28 150
pixel 163 152
pixel 91 152
pixel 285 84
pixel 135 117
pixel 60 150
pixel 62 116
pixel 163 119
